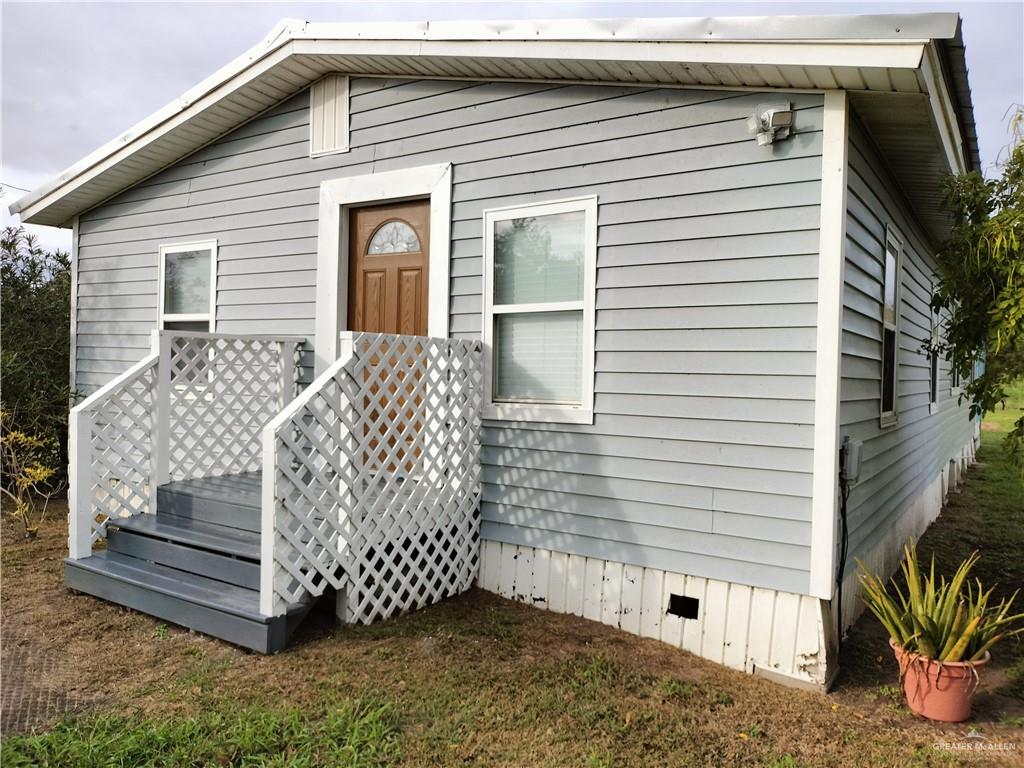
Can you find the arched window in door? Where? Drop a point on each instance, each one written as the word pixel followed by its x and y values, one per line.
pixel 393 237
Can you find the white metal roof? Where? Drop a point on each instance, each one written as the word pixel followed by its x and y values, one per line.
pixel 901 70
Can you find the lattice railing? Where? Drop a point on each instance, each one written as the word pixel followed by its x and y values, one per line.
pixel 371 479
pixel 221 391
pixel 194 407
pixel 110 439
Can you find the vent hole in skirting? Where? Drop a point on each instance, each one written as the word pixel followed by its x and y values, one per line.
pixel 685 607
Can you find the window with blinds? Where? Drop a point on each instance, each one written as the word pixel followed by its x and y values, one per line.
pixel 539 282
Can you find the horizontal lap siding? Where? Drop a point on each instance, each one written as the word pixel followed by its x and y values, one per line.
pixel 898 461
pixel 699 459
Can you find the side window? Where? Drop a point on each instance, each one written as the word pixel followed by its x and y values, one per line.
pixel 890 328
pixel 188 286
pixel 933 362
pixel 538 319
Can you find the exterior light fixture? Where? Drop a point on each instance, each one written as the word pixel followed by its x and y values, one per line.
pixel 770 122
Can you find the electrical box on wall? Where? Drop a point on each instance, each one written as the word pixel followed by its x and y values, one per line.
pixel 849 459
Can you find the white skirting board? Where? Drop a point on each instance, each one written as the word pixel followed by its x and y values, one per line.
pixel 742 627
pixel 782 635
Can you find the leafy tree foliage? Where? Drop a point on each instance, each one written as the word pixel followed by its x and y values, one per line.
pixel 981 283
pixel 35 305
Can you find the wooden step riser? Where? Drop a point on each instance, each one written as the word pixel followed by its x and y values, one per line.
pixel 263 638
pixel 207 510
pixel 214 565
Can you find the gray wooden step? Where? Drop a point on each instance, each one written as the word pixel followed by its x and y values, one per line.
pixel 206 605
pixel 231 500
pixel 194 533
pixel 213 564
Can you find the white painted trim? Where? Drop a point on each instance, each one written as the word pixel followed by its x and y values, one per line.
pixel 582 413
pixel 329 116
pixel 336 196
pixel 903 54
pixel 211 316
pixel 828 359
pixel 891 418
pixel 73 338
pixel 946 119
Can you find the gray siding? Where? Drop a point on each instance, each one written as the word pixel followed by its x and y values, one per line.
pixel 700 456
pixel 897 461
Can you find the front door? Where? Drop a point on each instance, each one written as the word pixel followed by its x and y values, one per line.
pixel 388 259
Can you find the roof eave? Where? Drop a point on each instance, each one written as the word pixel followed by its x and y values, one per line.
pixel 895 42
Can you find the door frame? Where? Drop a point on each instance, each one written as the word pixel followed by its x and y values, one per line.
pixel 433 182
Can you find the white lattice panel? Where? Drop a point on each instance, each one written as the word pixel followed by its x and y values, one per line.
pixel 118 428
pixel 223 391
pixel 374 478
pixel 193 408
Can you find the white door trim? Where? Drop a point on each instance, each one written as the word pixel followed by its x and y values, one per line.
pixel 336 195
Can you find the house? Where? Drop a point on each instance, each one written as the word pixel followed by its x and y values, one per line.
pixel 580 312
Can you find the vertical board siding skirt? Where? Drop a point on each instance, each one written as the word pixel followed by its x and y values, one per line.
pixel 825 484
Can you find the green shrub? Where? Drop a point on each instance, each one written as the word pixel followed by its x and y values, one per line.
pixel 35 304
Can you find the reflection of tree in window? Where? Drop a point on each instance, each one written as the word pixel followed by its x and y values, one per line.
pixel 539 258
pixel 187 283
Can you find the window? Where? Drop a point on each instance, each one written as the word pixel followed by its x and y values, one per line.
pixel 188 286
pixel 538 313
pixel 933 363
pixel 890 328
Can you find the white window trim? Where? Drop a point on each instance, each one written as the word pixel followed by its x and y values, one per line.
pixel 336 196
pixel 891 418
pixel 583 413
pixel 211 316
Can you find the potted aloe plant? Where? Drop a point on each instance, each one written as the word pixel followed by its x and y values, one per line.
pixel 941 633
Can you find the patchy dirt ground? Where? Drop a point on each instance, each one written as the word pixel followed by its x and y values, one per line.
pixel 483 681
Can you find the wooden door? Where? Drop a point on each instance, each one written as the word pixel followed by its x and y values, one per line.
pixel 388 259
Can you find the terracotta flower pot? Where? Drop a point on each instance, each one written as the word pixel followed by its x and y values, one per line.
pixel 938 690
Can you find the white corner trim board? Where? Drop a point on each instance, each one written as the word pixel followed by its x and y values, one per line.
pixel 336 196
pixel 828 360
pixel 754 630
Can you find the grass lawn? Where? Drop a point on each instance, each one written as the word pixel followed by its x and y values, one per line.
pixel 476 680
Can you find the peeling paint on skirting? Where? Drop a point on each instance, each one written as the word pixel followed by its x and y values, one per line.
pixel 746 628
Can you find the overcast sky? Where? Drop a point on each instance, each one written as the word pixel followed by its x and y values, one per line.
pixel 75 75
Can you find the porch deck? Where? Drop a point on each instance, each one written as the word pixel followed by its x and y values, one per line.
pixel 194 563
pixel 229 504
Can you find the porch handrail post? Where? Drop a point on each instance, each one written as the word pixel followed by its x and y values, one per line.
pixel 80 483
pixel 268 528
pixel 287 349
pixel 161 467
